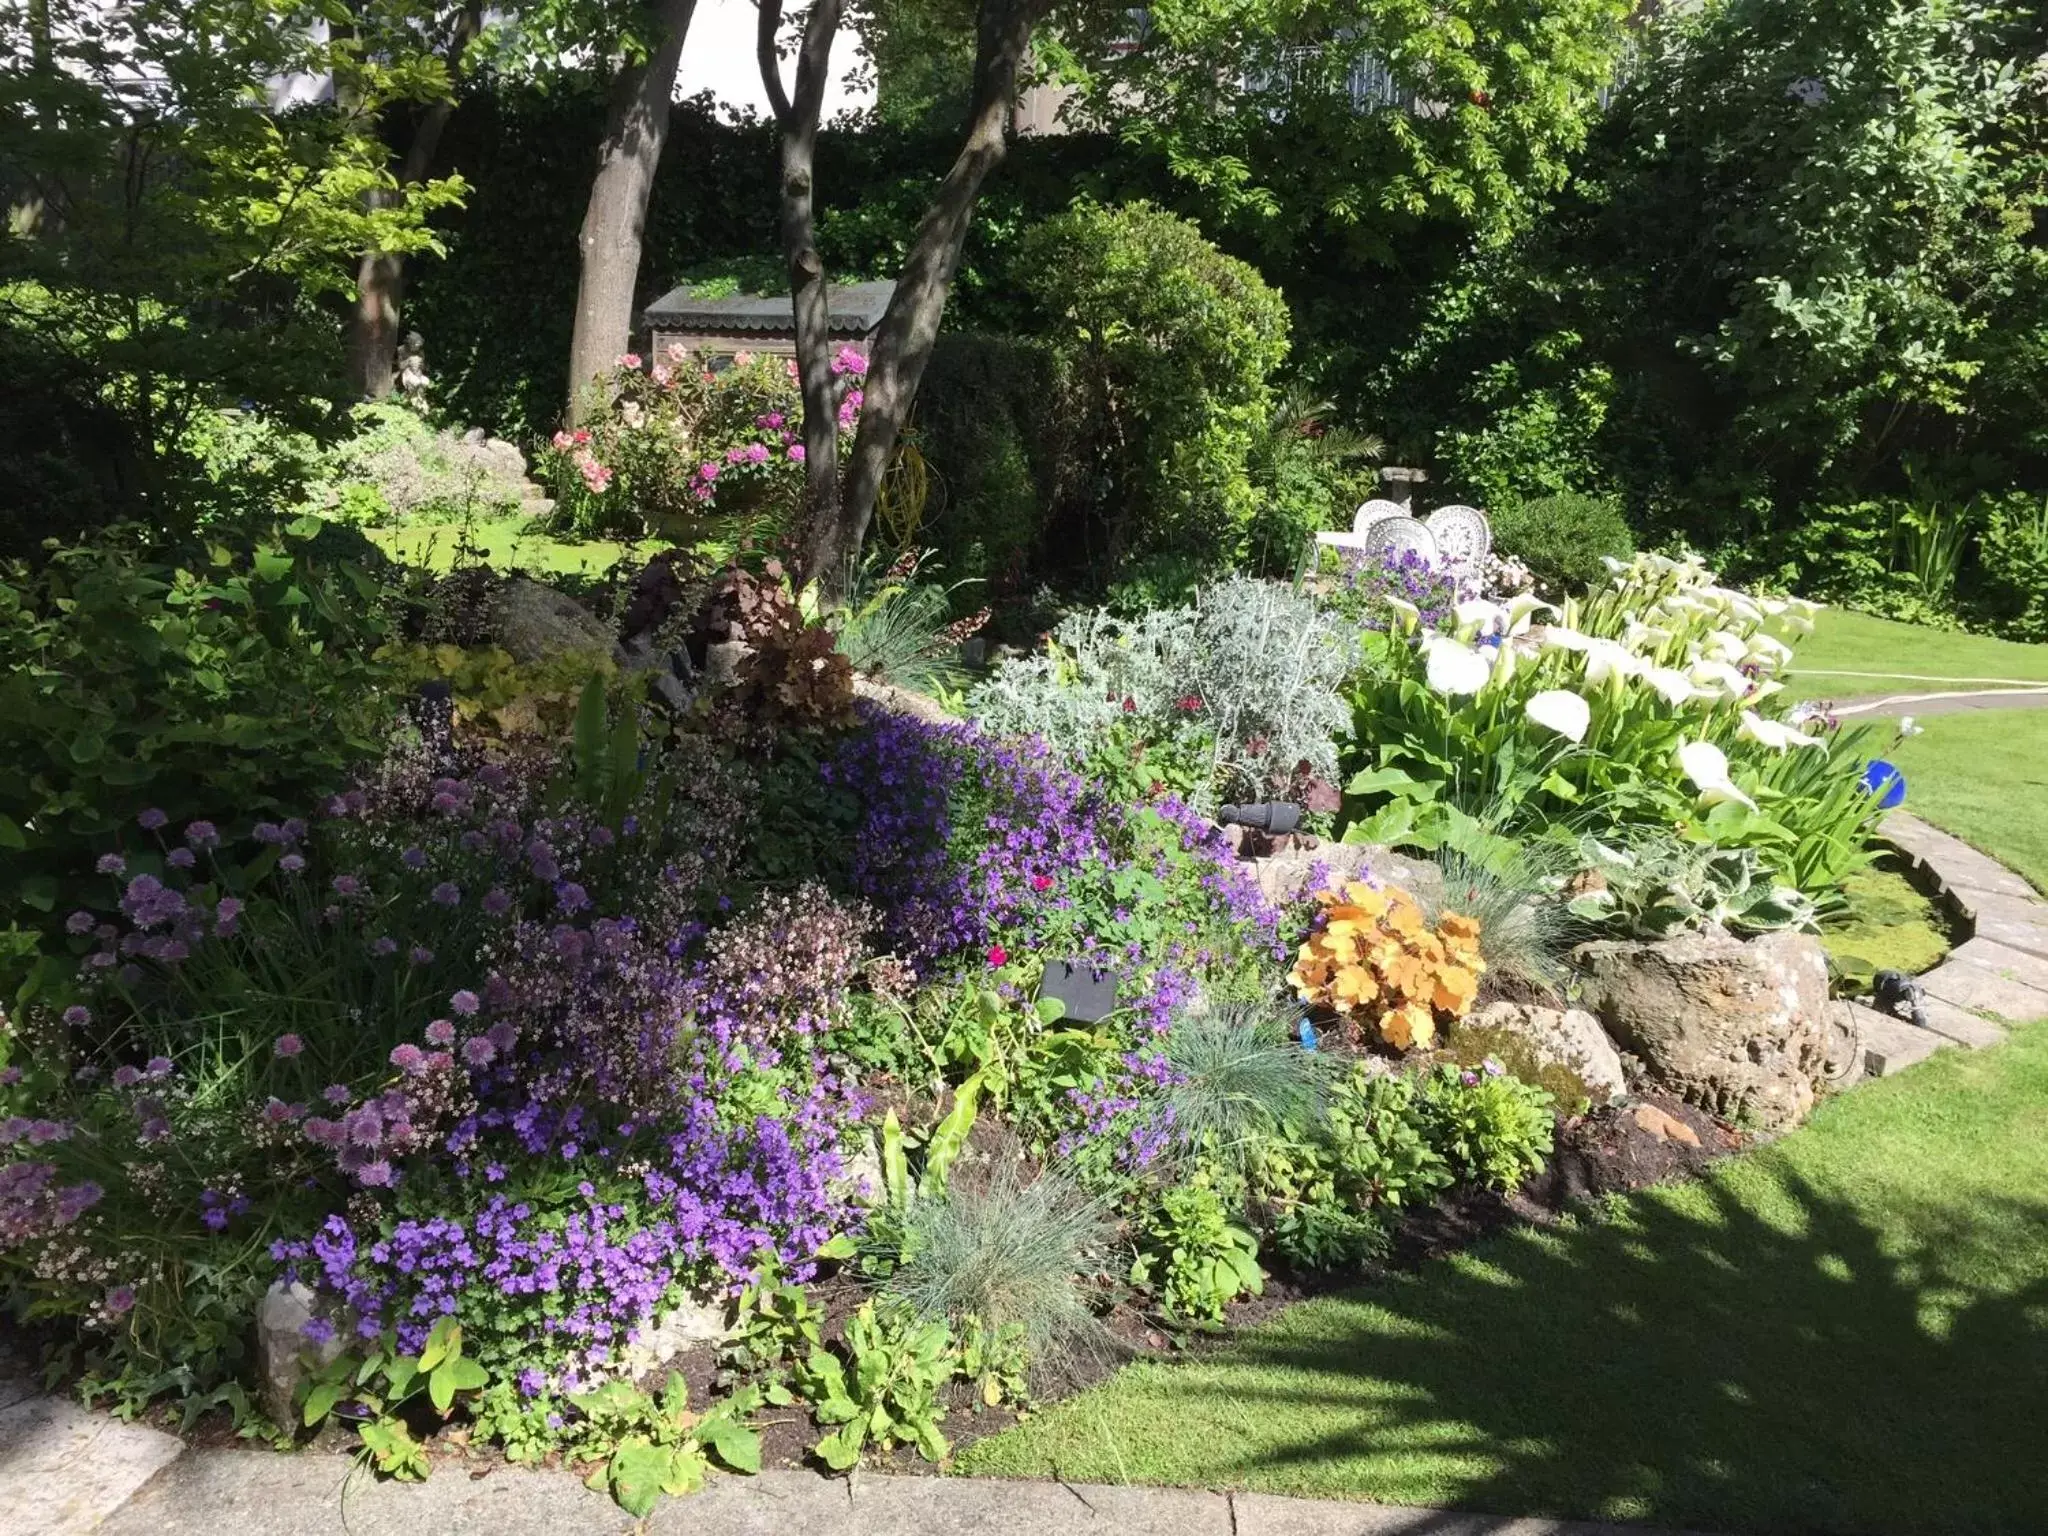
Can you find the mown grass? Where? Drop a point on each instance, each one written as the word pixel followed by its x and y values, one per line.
pixel 1846 1331
pixel 1891 655
pixel 512 543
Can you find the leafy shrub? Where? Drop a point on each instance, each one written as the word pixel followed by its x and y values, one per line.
pixel 395 465
pixel 690 451
pixel 1003 456
pixel 886 1391
pixel 225 685
pixel 1170 343
pixel 1374 961
pixel 2012 562
pixel 1247 679
pixel 1491 1128
pixel 1310 472
pixel 1562 539
pixel 1326 1187
pixel 1193 1258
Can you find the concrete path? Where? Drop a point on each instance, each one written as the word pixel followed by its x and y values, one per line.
pixel 1948 703
pixel 251 1492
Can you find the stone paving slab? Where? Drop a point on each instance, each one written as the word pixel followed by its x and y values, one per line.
pixel 1891 1045
pixel 314 1494
pixel 63 1468
pixel 2010 962
pixel 1976 906
pixel 2028 938
pixel 1962 1026
pixel 1981 989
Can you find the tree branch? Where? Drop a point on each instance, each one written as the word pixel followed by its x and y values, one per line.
pixel 771 65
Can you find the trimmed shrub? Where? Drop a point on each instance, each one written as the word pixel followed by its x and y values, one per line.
pixel 1562 538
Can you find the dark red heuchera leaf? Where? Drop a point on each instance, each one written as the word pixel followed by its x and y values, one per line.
pixel 1319 794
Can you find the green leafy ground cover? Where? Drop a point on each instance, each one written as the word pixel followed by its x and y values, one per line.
pixel 1889 924
pixel 1845 1331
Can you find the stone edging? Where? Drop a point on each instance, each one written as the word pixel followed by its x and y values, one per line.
pixel 2000 973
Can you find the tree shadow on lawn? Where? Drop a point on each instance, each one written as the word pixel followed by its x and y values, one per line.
pixel 1759 1360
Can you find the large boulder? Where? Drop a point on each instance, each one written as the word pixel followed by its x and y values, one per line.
pixel 1736 1028
pixel 1306 865
pixel 535 622
pixel 1562 1049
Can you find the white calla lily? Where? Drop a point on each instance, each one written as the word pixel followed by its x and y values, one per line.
pixel 1562 711
pixel 1522 610
pixel 1772 606
pixel 1706 767
pixel 1673 686
pixel 1718 674
pixel 1769 648
pixel 1453 668
pixel 1726 645
pixel 1605 659
pixel 1773 733
pixel 1759 691
pixel 1559 637
pixel 1613 565
pixel 1480 616
pixel 1405 611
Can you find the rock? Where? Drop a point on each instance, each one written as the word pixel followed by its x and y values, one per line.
pixel 901 701
pixel 696 1321
pixel 285 1357
pixel 1291 873
pixel 1740 1029
pixel 1654 1121
pixel 722 662
pixel 1564 1050
pixel 861 1180
pixel 537 622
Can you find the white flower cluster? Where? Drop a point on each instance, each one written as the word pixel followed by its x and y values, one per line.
pixel 1661 625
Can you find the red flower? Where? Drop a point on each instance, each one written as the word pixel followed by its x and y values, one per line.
pixel 1041 882
pixel 1188 703
pixel 998 957
pixel 1130 705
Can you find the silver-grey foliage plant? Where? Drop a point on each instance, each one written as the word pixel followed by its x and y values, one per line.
pixel 1266 662
pixel 1007 1249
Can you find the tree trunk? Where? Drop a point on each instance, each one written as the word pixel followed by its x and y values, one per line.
pixel 636 128
pixel 903 342
pixel 373 327
pixel 809 286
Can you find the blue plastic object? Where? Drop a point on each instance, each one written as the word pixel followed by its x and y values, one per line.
pixel 1305 1032
pixel 1884 780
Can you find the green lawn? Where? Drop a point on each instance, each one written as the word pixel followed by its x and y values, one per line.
pixel 1983 775
pixel 1844 1332
pixel 509 544
pixel 1894 654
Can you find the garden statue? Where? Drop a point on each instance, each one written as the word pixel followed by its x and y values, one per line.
pixel 412 371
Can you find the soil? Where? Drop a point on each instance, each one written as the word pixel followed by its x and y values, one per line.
pixel 1603 1153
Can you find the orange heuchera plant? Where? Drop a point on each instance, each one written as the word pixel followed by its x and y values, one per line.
pixel 1377 962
